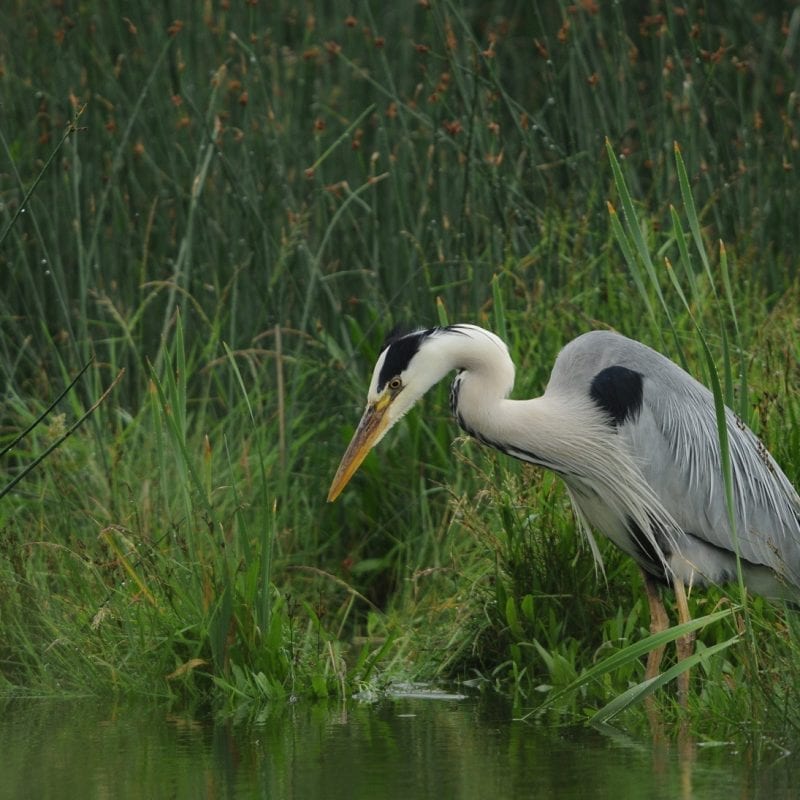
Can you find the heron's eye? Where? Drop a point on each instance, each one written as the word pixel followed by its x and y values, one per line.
pixel 395 384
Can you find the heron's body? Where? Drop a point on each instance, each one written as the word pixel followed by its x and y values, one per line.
pixel 634 438
pixel 654 434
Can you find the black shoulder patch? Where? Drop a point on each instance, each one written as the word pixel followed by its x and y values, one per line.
pixel 618 391
pixel 399 352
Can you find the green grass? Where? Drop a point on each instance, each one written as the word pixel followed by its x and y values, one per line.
pixel 230 207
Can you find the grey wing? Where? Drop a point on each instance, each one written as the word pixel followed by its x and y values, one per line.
pixel 675 440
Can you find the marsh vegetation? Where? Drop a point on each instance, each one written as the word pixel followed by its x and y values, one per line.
pixel 222 208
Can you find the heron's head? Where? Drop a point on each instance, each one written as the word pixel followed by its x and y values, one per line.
pixel 405 370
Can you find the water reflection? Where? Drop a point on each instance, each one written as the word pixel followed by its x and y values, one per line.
pixel 403 747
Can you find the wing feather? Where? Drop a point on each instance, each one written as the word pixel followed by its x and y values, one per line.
pixel 675 441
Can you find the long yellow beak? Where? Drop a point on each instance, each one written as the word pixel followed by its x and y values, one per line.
pixel 372 425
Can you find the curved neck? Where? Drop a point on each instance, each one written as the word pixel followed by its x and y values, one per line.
pixel 480 357
pixel 533 430
pixel 485 379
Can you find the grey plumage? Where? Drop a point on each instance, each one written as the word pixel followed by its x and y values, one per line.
pixel 634 438
pixel 674 441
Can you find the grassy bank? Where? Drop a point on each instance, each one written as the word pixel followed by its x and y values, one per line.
pixel 225 208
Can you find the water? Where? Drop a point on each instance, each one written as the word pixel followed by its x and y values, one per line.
pixel 412 746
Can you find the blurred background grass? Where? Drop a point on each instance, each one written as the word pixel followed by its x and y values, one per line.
pixel 232 202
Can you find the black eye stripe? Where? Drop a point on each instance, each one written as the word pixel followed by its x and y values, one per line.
pixel 398 356
pixel 400 348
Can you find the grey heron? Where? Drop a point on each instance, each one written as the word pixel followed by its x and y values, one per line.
pixel 634 438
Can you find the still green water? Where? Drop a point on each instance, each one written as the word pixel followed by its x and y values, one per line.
pixel 409 746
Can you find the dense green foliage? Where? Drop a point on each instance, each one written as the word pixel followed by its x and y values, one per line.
pixel 225 206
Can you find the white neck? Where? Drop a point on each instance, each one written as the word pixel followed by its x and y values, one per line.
pixel 480 356
pixel 534 429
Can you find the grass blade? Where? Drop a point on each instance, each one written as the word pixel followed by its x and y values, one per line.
pixel 637 693
pixel 61 439
pixel 631 653
pixel 44 413
pixel 72 127
pixel 263 604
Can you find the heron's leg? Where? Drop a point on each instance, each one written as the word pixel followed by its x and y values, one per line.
pixel 659 621
pixel 684 645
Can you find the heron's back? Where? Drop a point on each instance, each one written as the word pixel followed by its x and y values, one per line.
pixel 666 421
